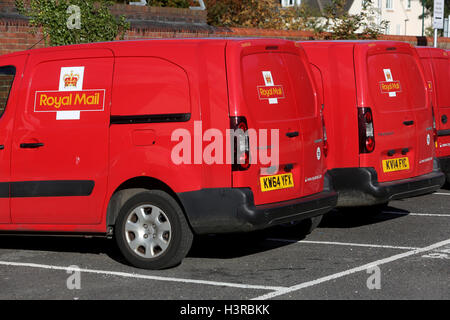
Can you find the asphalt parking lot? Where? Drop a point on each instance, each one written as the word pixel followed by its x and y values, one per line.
pixel 400 253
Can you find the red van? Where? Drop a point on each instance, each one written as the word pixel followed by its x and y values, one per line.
pixel 154 141
pixel 436 65
pixel 378 118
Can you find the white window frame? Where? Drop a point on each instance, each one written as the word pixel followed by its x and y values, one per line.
pixel 290 3
pixel 389 4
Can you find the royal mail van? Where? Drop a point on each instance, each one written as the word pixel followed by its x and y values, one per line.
pixel 154 141
pixel 378 118
pixel 436 66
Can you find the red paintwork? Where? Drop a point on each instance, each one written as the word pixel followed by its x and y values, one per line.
pixel 351 74
pixel 205 78
pixel 436 65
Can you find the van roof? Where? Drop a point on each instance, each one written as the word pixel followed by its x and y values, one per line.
pixel 132 44
pixel 431 52
pixel 357 42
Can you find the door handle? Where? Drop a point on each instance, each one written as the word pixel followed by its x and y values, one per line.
pixel 292 134
pixel 408 123
pixel 444 119
pixel 2 147
pixel 31 145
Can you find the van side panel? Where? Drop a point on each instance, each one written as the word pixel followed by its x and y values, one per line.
pixel 189 82
pixel 334 62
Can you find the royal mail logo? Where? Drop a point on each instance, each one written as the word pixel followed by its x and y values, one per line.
pixel 393 86
pixel 56 101
pixel 71 80
pixel 270 91
pixel 390 86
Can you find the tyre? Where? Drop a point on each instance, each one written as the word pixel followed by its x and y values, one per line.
pixel 151 231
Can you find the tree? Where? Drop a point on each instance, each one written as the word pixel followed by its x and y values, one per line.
pixel 245 13
pixel 343 25
pixel 269 14
pixel 66 22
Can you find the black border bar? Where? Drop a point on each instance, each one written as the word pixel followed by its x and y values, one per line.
pixel 58 188
pixel 151 118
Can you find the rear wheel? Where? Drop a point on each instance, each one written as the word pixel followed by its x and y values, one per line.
pixel 152 232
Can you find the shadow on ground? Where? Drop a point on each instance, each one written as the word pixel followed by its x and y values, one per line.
pixel 361 216
pixel 227 246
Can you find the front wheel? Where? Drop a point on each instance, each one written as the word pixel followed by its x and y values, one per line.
pixel 152 232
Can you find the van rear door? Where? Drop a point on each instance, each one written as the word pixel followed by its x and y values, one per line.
pixel 270 86
pixel 441 69
pixel 390 83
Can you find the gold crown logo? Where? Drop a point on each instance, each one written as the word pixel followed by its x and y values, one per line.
pixel 71 80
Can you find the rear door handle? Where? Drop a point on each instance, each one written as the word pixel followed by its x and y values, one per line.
pixel 292 134
pixel 408 123
pixel 2 147
pixel 31 145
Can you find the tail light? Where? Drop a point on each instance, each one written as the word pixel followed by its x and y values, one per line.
pixel 325 139
pixel 240 144
pixel 366 130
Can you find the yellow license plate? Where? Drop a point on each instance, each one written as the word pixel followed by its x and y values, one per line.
pixel 398 164
pixel 276 182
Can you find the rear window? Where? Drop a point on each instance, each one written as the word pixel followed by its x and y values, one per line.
pixel 6 80
pixel 276 86
pixel 395 82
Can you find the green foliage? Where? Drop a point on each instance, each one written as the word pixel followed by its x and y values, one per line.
pixel 245 13
pixel 97 22
pixel 343 25
pixel 268 14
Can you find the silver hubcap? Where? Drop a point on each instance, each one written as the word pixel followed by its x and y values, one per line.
pixel 148 231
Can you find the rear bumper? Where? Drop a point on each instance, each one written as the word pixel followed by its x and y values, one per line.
pixel 226 210
pixel 444 163
pixel 360 186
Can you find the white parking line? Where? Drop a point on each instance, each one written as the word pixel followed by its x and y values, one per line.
pixel 351 271
pixel 344 244
pixel 442 193
pixel 142 276
pixel 417 214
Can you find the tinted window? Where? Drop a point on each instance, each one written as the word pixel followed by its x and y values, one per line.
pixel 277 86
pixel 6 80
pixel 395 82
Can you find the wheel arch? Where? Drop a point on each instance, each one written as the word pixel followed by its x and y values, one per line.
pixel 131 187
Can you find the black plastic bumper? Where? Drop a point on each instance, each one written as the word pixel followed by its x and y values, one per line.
pixel 444 163
pixel 226 210
pixel 360 186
